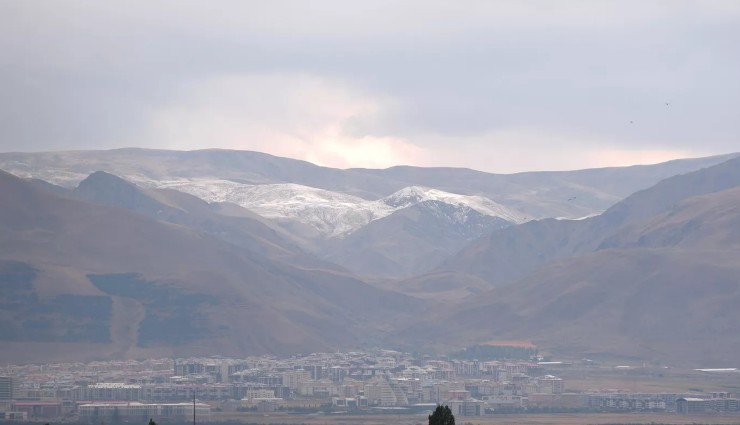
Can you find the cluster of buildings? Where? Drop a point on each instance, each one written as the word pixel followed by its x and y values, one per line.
pixel 354 381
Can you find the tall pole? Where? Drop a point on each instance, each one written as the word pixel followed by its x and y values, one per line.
pixel 194 390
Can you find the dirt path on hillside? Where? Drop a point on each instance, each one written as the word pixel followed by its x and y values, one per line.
pixel 126 316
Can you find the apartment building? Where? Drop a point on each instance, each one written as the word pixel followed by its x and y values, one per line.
pixel 294 378
pixel 106 412
pixel 8 388
pixel 550 384
pixel 259 393
pixel 688 405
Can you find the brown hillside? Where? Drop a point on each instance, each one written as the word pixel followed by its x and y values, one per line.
pixel 666 291
pixel 510 254
pixel 134 286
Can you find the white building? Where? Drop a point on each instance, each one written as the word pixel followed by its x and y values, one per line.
pixel 294 378
pixel 105 412
pixel 114 391
pixel 466 407
pixel 260 393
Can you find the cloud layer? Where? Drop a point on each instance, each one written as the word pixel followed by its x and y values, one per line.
pixel 500 86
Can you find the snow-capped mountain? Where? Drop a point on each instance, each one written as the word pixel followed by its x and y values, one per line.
pixel 537 195
pixel 331 213
pixel 416 194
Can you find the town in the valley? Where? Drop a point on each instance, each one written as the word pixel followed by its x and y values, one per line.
pixel 359 383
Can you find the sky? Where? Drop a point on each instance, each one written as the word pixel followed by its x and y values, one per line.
pixel 498 86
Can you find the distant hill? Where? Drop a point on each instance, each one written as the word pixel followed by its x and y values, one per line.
pixel 510 254
pixel 543 194
pixel 536 194
pixel 84 281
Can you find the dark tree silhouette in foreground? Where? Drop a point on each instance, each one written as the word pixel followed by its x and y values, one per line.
pixel 442 416
pixel 151 422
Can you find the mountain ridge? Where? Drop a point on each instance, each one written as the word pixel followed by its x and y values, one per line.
pixel 509 254
pixel 594 189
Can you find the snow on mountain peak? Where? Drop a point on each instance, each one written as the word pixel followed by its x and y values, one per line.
pixel 407 196
pixel 413 195
pixel 331 213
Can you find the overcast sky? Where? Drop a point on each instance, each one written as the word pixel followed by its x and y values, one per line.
pixel 499 86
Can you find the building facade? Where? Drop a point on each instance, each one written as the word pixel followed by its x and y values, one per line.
pixel 106 412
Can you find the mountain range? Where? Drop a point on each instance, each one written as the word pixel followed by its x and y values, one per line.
pixel 133 252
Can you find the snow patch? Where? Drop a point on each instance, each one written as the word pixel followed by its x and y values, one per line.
pixel 415 194
pixel 585 217
pixel 331 213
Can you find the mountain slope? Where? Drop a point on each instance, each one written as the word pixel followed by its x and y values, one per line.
pixel 666 290
pixel 707 221
pixel 93 281
pixel 410 241
pixel 671 306
pixel 329 213
pixel 247 231
pixel 510 254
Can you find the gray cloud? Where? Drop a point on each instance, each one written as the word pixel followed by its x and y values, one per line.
pixel 502 86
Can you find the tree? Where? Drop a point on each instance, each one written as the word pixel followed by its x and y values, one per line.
pixel 442 416
pixel 151 422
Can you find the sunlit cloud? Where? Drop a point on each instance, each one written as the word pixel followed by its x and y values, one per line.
pixel 297 116
pixel 336 150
